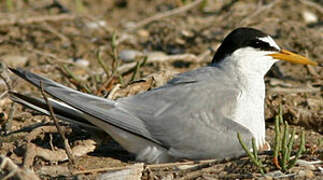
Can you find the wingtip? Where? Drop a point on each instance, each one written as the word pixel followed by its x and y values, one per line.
pixel 12 93
pixel 32 78
pixel 16 71
pixel 19 72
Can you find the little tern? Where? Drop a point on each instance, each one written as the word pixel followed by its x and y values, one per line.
pixel 194 116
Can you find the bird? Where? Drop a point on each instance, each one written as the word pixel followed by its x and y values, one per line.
pixel 194 116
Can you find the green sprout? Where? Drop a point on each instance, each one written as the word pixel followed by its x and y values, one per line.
pixel 79 6
pixel 254 155
pixel 79 83
pixel 137 68
pixel 283 147
pixel 9 5
pixel 284 144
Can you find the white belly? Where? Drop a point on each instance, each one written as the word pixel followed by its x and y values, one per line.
pixel 249 112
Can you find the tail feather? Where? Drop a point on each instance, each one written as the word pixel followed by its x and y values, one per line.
pixel 61 110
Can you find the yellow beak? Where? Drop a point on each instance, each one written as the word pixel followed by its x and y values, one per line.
pixel 292 57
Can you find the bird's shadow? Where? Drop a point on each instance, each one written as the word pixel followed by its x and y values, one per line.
pixel 105 145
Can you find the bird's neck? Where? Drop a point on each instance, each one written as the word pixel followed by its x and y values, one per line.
pixel 249 67
pixel 248 64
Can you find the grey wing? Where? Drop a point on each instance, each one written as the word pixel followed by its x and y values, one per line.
pixel 191 115
pixel 100 108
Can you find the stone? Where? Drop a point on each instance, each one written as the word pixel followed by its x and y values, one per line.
pixel 129 55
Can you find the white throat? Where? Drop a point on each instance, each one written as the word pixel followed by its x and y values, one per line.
pixel 248 63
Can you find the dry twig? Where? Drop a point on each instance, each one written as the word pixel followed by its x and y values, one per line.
pixel 5 77
pixel 312 71
pixel 295 90
pixel 105 169
pixel 8 124
pixel 185 57
pixel 3 94
pixel 34 19
pixel 44 129
pixel 54 171
pixel 51 56
pixel 313 5
pixel 82 147
pixel 52 30
pixel 113 91
pixel 166 14
pixel 260 10
pixel 59 129
pixel 15 172
pixel 59 155
pixel 195 174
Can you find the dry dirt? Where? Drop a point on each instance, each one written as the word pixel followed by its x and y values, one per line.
pixel 43 37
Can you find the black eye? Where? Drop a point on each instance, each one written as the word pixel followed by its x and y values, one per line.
pixel 261 45
pixel 258 44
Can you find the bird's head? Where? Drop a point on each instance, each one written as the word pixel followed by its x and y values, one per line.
pixel 251 49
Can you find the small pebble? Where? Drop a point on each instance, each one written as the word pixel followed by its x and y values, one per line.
pixel 180 41
pixel 155 55
pixel 96 24
pixel 275 174
pixel 132 172
pixel 143 33
pixel 187 33
pixel 129 55
pixel 82 62
pixel 129 24
pixel 308 164
pixel 310 17
pixel 301 173
pixel 276 82
pixel 183 167
pixel 321 169
pixel 268 178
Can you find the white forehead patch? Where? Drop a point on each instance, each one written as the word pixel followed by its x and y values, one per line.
pixel 270 41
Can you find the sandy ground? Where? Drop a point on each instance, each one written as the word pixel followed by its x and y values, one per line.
pixel 44 37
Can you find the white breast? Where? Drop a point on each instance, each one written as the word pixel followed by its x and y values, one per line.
pixel 247 67
pixel 250 111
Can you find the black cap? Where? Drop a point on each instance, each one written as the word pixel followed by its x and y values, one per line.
pixel 239 38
